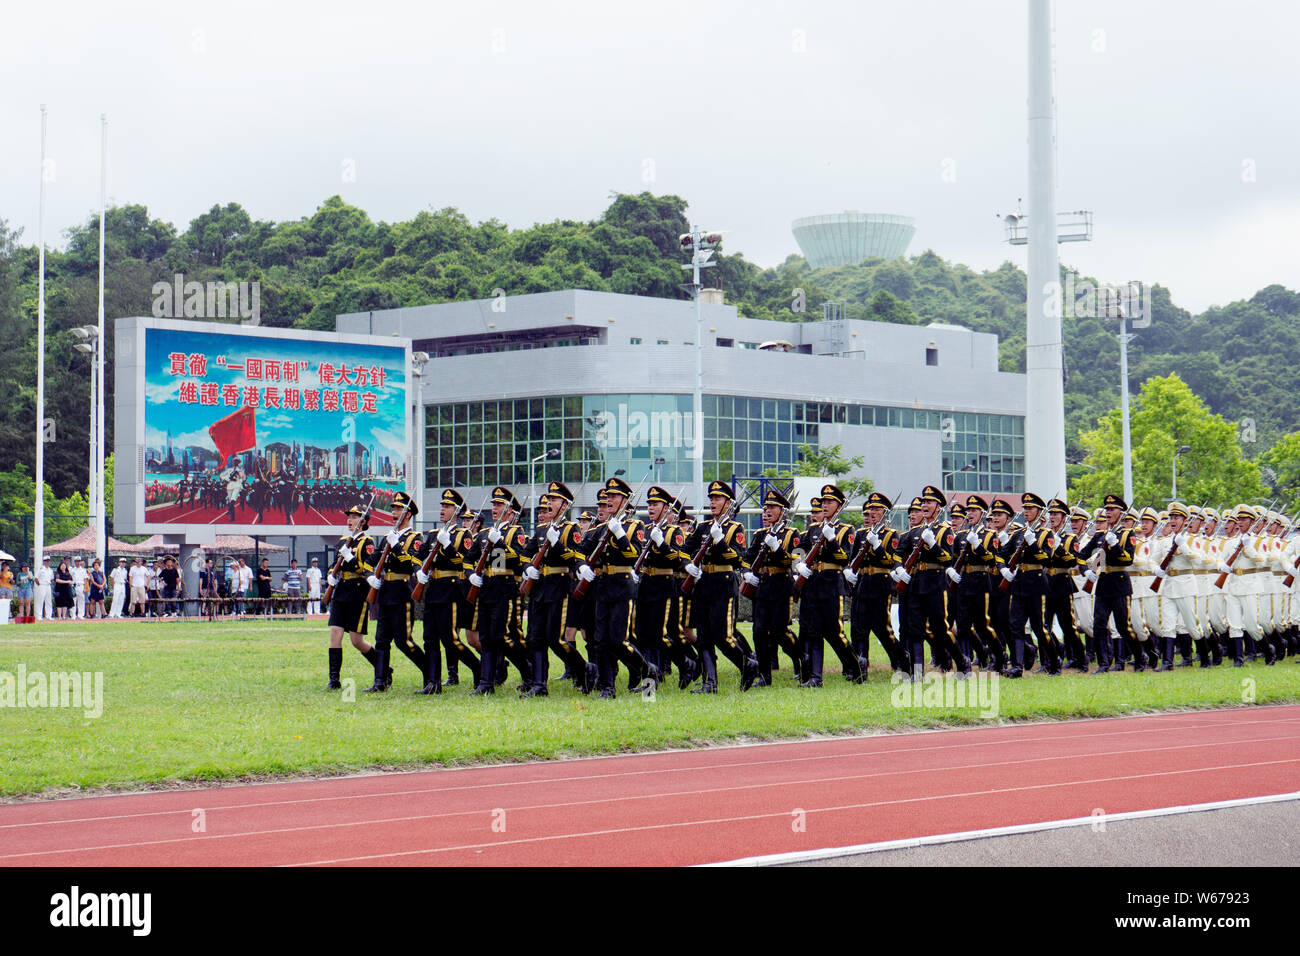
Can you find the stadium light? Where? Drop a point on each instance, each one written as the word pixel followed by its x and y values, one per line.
pixel 700 245
pixel 88 336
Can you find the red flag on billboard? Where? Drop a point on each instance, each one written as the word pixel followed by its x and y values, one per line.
pixel 235 433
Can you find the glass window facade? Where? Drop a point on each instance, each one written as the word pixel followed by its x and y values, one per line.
pixel 492 442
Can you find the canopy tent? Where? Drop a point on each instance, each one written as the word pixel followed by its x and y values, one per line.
pixel 82 545
pixel 232 544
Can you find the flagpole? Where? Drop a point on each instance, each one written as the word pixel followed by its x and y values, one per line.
pixel 97 505
pixel 39 509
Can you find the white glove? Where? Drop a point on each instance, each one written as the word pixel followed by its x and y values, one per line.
pixel 850 576
pixel 900 574
pixel 1181 539
pixel 1007 573
pixel 1248 538
pixel 1003 538
pixel 803 569
pixel 1111 539
pixel 928 537
pixel 444 539
pixel 771 542
pixel 1294 570
pixel 531 573
pixel 636 578
pixel 553 536
pixel 1091 575
pixel 476 580
pixel 873 539
pixel 1161 572
pixel 393 538
pixel 346 553
pixel 953 576
pixel 693 571
pixel 1225 567
pixel 716 533
pixel 656 536
pixel 494 535
pixel 586 573
pixel 616 528
pixel 972 539
pixel 421 577
pixel 374 582
pixel 751 579
pixel 331 580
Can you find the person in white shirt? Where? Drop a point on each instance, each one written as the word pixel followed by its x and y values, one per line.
pixel 313 588
pixel 118 574
pixel 243 583
pixel 44 594
pixel 79 575
pixel 139 579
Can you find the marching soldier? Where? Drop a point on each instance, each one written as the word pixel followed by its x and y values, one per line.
pixel 1145 605
pixel 394 609
pixel 927 584
pixel 443 597
pixel 1029 587
pixel 1061 566
pixel 872 589
pixel 498 590
pixel 573 615
pixel 614 592
pixel 773 600
pixel 1080 576
pixel 658 626
pixel 979 544
pixel 348 610
pixel 821 604
pixel 548 601
pixel 1113 588
pixel 715 592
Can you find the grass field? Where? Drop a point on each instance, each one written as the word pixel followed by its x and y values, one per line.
pixel 191 702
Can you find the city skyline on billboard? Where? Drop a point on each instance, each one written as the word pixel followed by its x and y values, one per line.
pixel 270 429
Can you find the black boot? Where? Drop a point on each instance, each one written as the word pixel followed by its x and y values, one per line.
pixel 336 667
pixel 1203 652
pixel 1185 649
pixel 432 669
pixel 1238 651
pixel 1168 663
pixel 381 671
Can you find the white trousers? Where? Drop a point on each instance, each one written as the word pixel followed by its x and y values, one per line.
pixel 1243 615
pixel 42 602
pixel 79 604
pixel 119 600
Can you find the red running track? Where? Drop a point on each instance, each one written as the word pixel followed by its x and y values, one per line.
pixel 682 807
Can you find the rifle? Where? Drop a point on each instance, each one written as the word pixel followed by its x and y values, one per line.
pixel 910 563
pixel 526 585
pixel 338 561
pixel 1290 578
pixel 677 507
pixel 418 591
pixel 383 554
pixel 1014 563
pixel 707 540
pixel 962 554
pixel 1164 565
pixel 598 552
pixel 748 590
pixel 472 594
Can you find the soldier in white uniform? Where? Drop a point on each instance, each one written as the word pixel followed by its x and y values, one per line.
pixel 1215 609
pixel 1273 613
pixel 79 575
pixel 118 576
pixel 1083 599
pixel 1144 610
pixel 1181 550
pixel 1244 586
pixel 1290 559
pixel 44 591
pixel 313 587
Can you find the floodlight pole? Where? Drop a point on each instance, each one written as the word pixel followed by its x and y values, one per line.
pixel 98 497
pixel 701 252
pixel 39 506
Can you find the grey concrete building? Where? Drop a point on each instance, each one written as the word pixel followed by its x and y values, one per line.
pixel 606 381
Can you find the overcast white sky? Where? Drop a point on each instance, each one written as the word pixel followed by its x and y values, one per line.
pixel 1177 121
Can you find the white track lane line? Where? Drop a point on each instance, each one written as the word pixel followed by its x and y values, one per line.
pixel 830 853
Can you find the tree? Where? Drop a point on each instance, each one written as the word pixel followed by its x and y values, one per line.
pixel 832 464
pixel 1281 467
pixel 1165 416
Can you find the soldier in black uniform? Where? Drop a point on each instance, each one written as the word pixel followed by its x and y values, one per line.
pixel 612 592
pixel 1113 589
pixel 714 593
pixel 658 626
pixel 773 600
pixel 686 607
pixel 503 543
pixel 1028 587
pixel 979 548
pixel 548 600
pixel 348 608
pixel 821 603
pixel 875 551
pixel 927 584
pixel 394 610
pixel 1062 564
pixel 443 597
pixel 573 615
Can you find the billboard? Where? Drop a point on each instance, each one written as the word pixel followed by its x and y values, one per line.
pixel 267 431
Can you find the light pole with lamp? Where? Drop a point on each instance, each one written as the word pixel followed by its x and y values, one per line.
pixel 658 462
pixel 90 345
pixel 700 245
pixel 550 453
pixel 418 361
pixel 1181 451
